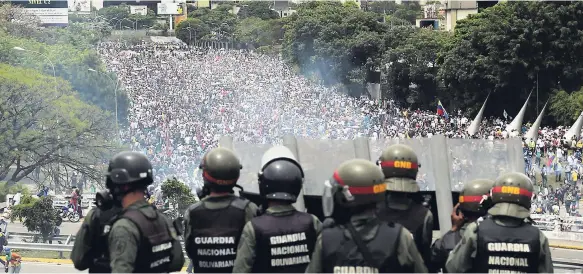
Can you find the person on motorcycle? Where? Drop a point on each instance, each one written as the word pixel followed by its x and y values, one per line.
pixel 13 261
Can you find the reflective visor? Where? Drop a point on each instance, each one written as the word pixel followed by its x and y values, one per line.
pixel 374 189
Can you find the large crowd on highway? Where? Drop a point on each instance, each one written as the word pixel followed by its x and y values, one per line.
pixel 183 99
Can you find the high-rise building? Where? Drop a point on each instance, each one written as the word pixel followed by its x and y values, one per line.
pixel 460 9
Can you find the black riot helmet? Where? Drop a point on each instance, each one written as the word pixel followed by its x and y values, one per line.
pixel 221 169
pixel 128 171
pixel 281 176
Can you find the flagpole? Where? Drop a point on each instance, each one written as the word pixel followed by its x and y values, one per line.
pixel 537 92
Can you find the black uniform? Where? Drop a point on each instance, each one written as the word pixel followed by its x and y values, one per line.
pixel 441 248
pixel 284 243
pixel 90 248
pixel 507 248
pixel 340 252
pixel 103 218
pixel 212 242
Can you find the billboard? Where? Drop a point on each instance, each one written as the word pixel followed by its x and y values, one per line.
pixel 141 10
pixel 50 12
pixel 82 6
pixel 168 8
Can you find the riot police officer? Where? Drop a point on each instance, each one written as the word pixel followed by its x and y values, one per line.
pixel 90 247
pixel 505 241
pixel 472 206
pixel 141 239
pixel 213 225
pixel 354 240
pixel 403 205
pixel 282 239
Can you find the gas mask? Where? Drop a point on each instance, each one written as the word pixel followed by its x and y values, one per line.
pixel 334 194
pixel 104 200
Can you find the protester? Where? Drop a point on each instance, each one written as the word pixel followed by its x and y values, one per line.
pixel 183 99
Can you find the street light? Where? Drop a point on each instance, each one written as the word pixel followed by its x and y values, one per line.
pixel 48 59
pixel 190 35
pixel 114 94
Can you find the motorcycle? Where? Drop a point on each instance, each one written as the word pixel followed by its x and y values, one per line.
pixel 68 212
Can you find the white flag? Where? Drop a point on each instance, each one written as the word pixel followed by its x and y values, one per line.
pixel 505 114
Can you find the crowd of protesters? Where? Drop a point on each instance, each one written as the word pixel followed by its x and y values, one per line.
pixel 183 99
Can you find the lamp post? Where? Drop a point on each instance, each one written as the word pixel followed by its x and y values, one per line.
pixel 190 35
pixel 115 94
pixel 48 59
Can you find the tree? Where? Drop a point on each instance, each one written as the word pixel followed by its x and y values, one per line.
pixel 411 68
pixel 17 21
pixel 259 9
pixel 257 33
pixel 191 30
pixel 178 194
pixel 5 190
pixel 42 123
pixel 333 41
pixel 566 107
pixel 114 13
pixel 72 63
pixel 38 214
pixel 504 48
pixel 409 11
pixel 221 22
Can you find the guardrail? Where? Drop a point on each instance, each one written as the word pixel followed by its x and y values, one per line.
pixel 558 223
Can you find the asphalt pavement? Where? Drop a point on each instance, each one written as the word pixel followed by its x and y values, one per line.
pixel 66 227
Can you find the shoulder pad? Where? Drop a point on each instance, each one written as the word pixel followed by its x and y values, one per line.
pixel 240 203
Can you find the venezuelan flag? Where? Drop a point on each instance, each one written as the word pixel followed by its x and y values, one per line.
pixel 441 110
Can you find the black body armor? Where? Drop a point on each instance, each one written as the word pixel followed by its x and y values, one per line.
pixel 507 249
pixel 284 244
pixel 216 234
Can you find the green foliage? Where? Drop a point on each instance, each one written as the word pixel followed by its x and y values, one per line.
pixel 566 107
pixel 42 122
pixel 333 41
pixel 5 190
pixel 38 215
pixel 350 4
pixel 412 67
pixel 72 63
pixel 178 194
pixel 408 11
pixel 259 9
pixel 258 33
pixel 504 48
pixel 119 17
pixel 191 30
